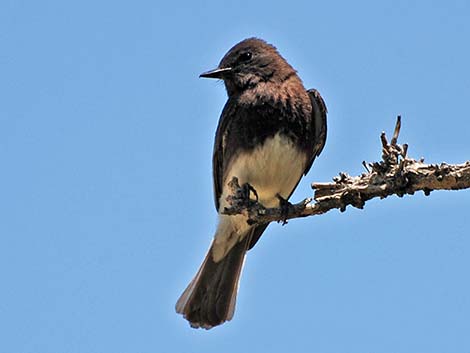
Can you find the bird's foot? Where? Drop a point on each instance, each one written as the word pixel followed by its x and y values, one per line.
pixel 284 205
pixel 247 189
pixel 241 194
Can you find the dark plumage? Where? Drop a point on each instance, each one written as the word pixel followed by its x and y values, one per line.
pixel 270 131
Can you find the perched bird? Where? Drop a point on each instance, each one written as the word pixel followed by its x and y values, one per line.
pixel 270 131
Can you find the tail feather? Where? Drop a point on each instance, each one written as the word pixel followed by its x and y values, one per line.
pixel 209 300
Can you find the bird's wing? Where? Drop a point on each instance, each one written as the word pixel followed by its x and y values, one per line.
pixel 318 124
pixel 219 155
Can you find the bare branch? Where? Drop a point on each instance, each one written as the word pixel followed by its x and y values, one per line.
pixel 396 174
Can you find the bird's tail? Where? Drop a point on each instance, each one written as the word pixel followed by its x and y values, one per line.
pixel 209 300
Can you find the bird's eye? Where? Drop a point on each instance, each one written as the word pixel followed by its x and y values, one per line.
pixel 245 56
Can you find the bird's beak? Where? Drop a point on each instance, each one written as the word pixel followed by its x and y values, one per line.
pixel 217 73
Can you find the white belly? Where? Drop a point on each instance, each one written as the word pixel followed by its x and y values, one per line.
pixel 271 169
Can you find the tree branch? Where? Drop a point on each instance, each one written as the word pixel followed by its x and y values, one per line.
pixel 396 174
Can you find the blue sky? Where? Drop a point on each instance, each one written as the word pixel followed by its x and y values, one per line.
pixel 106 206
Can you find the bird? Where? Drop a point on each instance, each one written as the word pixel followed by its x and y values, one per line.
pixel 269 133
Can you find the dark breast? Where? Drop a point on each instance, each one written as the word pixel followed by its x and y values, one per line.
pixel 249 125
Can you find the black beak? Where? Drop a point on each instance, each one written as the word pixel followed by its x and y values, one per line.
pixel 217 73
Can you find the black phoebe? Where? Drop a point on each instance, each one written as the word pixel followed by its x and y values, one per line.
pixel 269 133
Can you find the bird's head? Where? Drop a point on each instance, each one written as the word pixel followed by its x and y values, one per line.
pixel 248 63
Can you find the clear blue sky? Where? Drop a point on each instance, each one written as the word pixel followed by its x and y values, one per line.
pixel 106 206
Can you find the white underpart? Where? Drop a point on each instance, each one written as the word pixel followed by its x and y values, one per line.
pixel 273 168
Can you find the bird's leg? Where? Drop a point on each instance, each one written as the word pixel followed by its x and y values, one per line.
pixel 240 196
pixel 247 188
pixel 284 205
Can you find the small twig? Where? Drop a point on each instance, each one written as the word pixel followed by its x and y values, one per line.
pixel 396 132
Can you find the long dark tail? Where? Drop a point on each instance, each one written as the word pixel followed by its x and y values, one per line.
pixel 209 300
